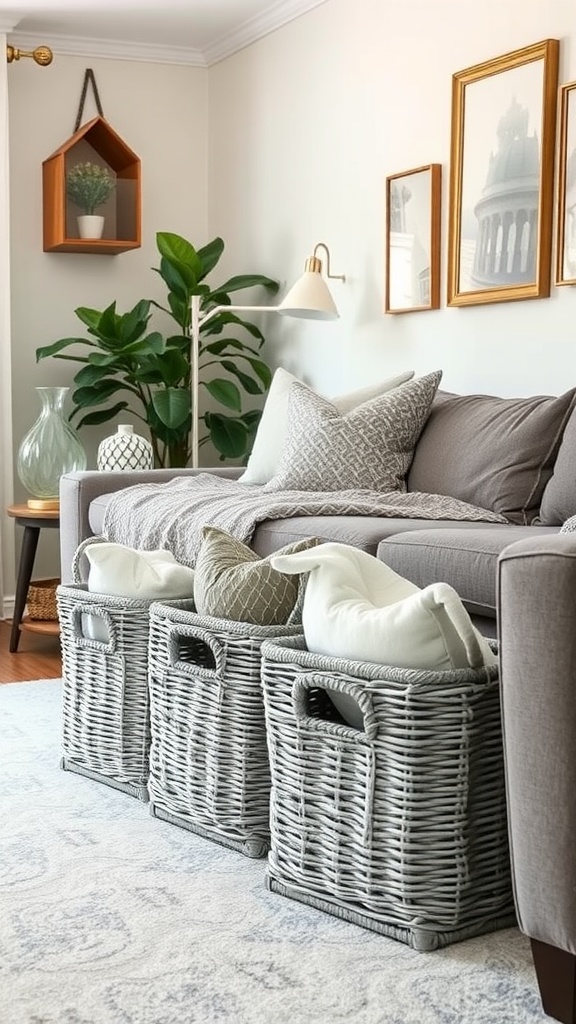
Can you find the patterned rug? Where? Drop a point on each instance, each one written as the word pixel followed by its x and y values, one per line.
pixel 109 916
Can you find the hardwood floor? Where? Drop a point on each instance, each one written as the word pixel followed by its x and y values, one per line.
pixel 38 657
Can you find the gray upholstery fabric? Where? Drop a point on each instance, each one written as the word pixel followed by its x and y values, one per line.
pixel 80 489
pixel 497 453
pixel 559 498
pixel 363 532
pixel 467 560
pixel 369 447
pixel 537 616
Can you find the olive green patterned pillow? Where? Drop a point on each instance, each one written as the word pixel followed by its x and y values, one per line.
pixel 232 582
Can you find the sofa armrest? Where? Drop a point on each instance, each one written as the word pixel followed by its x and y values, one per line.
pixel 537 631
pixel 78 490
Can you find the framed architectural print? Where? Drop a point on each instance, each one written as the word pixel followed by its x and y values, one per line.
pixel 566 224
pixel 413 200
pixel 502 177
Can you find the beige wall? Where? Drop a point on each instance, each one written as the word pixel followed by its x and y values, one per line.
pixel 161 113
pixel 313 118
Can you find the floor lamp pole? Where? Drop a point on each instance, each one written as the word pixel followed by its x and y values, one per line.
pixel 194 357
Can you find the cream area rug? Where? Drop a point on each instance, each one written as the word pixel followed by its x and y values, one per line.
pixel 110 916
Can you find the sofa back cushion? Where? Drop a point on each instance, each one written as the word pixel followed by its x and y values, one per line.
pixel 559 498
pixel 498 453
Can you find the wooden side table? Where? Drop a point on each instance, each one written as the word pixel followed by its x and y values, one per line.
pixel 33 520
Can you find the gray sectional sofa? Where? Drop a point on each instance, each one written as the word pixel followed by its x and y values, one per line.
pixel 513 457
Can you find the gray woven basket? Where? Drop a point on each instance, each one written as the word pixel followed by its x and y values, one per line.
pixel 106 724
pixel 399 827
pixel 209 769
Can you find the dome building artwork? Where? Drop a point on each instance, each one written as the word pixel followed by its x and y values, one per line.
pixel 507 211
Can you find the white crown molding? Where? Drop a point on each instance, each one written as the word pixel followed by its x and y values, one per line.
pixel 7 24
pixel 74 46
pixel 279 14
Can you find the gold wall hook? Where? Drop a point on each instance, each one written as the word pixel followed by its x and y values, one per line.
pixel 41 55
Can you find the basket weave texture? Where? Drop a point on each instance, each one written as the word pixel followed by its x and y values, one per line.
pixel 399 827
pixel 209 768
pixel 41 600
pixel 106 722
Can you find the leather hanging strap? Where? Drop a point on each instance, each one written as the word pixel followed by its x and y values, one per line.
pixel 88 79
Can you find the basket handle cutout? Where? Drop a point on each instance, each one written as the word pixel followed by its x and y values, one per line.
pixel 93 627
pixel 195 651
pixel 315 706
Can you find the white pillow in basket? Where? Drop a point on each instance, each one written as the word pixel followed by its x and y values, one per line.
pixel 357 608
pixel 271 433
pixel 120 571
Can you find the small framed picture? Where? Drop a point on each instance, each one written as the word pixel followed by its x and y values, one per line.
pixel 413 200
pixel 566 224
pixel 502 177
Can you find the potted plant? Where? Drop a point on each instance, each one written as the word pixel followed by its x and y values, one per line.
pixel 89 186
pixel 122 357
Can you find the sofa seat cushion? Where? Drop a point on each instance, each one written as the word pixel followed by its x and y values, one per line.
pixel 466 559
pixel 364 532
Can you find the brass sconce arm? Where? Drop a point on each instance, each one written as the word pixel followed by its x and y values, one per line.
pixel 314 264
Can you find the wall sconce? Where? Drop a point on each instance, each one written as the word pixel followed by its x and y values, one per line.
pixel 42 55
pixel 309 299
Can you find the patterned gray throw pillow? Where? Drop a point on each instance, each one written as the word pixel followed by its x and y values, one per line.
pixel 369 448
pixel 232 582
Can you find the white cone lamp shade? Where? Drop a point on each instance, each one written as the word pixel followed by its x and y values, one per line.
pixel 310 297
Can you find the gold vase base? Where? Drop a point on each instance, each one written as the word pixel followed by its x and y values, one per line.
pixel 44 504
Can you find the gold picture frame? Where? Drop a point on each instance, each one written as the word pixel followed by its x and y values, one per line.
pixel 413 201
pixel 566 223
pixel 502 177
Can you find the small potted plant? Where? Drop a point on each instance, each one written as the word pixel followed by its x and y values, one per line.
pixel 89 185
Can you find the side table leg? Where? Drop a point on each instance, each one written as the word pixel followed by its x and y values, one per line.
pixel 27 556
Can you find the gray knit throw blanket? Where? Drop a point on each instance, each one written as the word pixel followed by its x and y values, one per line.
pixel 171 515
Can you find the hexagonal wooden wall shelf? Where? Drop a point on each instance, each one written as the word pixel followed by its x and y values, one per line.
pixel 95 142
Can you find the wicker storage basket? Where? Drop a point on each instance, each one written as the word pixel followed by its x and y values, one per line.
pixel 399 827
pixel 106 722
pixel 209 769
pixel 41 600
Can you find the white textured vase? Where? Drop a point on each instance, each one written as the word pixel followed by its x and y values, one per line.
pixel 125 450
pixel 90 225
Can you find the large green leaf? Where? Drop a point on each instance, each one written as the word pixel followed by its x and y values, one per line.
pixel 97 393
pixel 172 405
pixel 90 317
pixel 229 436
pixel 240 281
pixel 175 280
pixel 57 346
pixel 248 383
pixel 210 255
pixel 134 323
pixel 92 419
pixel 180 253
pixel 225 392
pixel 91 374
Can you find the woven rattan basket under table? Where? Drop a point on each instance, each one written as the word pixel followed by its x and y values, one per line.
pixel 399 827
pixel 209 769
pixel 106 721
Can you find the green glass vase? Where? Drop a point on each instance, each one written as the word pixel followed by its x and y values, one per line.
pixel 50 448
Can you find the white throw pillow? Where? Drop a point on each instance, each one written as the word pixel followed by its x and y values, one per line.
pixel 269 440
pixel 357 608
pixel 119 571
